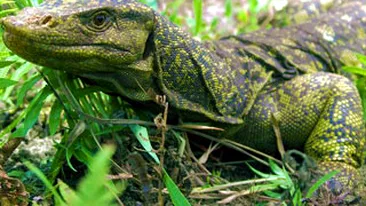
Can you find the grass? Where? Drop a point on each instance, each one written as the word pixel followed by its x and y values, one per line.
pixel 71 107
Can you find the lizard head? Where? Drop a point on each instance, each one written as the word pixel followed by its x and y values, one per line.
pixel 88 38
pixel 81 36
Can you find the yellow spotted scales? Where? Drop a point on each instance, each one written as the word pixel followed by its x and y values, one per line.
pixel 238 82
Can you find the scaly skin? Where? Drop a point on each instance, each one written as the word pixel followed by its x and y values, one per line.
pixel 237 83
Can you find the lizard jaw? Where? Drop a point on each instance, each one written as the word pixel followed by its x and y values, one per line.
pixel 69 57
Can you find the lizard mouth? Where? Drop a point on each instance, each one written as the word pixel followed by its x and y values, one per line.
pixel 8 34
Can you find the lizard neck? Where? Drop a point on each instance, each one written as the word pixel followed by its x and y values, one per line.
pixel 195 78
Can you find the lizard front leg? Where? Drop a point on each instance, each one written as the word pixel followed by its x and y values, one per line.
pixel 320 113
pixel 337 140
pixel 331 104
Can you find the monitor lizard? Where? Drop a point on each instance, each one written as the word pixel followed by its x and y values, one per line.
pixel 239 82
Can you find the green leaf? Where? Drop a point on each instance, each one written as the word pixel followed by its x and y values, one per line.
pixel 67 193
pixel 45 181
pixel 361 58
pixel 32 113
pixel 143 137
pixel 5 63
pixel 361 85
pixel 17 75
pixel 242 16
pixel 320 182
pixel 214 24
pixel 22 70
pixel 26 87
pixel 288 184
pixel 261 174
pixel 275 168
pixel 95 188
pixel 7 12
pixel 253 6
pixel 55 117
pixel 197 8
pixel 297 197
pixel 16 173
pixel 3 53
pixel 174 192
pixel 4 72
pixel 20 132
pixel 6 83
pixel 273 194
pixel 228 8
pixel 6 2
pixel 355 70
pixel 35 108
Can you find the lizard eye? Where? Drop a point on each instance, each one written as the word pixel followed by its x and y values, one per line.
pixel 100 21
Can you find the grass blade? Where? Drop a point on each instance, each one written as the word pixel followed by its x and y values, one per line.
pixel 197 8
pixel 45 181
pixel 175 194
pixel 4 83
pixel 55 117
pixel 320 182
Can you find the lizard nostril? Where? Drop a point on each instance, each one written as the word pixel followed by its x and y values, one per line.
pixel 48 21
pixel 45 20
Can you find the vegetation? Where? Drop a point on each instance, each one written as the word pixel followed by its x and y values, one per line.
pixel 42 102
